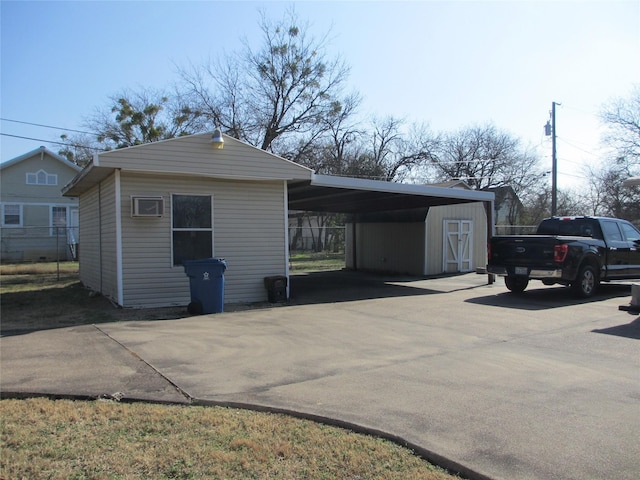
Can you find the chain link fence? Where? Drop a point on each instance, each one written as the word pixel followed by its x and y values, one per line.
pixel 516 229
pixel 316 239
pixel 38 244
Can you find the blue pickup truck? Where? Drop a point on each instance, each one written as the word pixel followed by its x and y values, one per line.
pixel 579 252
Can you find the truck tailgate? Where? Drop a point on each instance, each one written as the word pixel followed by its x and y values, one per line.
pixel 523 250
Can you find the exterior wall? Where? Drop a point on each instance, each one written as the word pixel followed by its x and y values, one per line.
pixel 414 248
pixel 34 239
pixel 248 232
pixel 97 239
pixel 435 218
pixel 387 247
pixel 195 155
pixel 89 238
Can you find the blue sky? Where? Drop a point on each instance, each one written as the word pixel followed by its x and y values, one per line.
pixel 446 63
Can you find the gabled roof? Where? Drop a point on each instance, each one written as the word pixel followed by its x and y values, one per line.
pixel 37 151
pixel 632 181
pixel 191 155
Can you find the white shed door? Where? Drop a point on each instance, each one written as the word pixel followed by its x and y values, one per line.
pixel 457 245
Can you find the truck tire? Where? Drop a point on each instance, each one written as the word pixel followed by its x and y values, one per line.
pixel 516 284
pixel 587 281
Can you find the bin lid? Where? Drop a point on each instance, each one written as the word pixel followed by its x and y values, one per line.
pixel 205 262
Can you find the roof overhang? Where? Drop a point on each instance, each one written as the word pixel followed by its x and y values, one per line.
pixel 324 193
pixel 89 176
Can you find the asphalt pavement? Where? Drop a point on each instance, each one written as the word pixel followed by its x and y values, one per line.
pixel 538 386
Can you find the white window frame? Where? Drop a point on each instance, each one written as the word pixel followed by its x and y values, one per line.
pixel 20 213
pixel 52 219
pixel 173 229
pixel 41 177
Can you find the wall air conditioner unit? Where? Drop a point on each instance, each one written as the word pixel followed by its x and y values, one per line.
pixel 147 206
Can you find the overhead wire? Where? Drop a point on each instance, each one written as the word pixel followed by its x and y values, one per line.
pixel 67 144
pixel 46 126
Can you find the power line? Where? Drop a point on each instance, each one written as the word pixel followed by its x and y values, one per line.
pixel 577 147
pixel 54 142
pixel 46 126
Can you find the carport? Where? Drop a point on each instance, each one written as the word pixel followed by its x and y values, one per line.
pixel 380 202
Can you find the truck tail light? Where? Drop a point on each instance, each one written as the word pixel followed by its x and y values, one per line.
pixel 560 253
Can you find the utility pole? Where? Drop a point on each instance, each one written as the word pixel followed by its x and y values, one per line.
pixel 550 129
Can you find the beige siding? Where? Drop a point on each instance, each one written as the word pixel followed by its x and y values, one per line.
pixel 248 231
pixel 97 235
pixel 195 154
pixel 14 186
pixel 387 247
pixel 89 239
pixel 435 218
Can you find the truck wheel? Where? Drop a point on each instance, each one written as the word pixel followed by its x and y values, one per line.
pixel 586 283
pixel 516 284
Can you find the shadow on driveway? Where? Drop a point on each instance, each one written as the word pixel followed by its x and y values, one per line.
pixel 546 298
pixel 628 330
pixel 348 286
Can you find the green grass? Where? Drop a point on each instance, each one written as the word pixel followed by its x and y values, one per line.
pixel 66 439
pixel 312 262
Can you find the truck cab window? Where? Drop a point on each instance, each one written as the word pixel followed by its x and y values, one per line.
pixel 611 232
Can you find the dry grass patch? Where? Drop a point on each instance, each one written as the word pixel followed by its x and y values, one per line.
pixel 80 440
pixel 37 296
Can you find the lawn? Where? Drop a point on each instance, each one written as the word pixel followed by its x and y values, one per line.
pixel 65 439
pixel 315 261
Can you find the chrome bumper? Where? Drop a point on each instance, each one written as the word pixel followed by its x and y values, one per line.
pixel 545 274
pixel 533 273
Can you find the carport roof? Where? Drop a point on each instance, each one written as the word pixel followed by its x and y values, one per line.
pixel 324 193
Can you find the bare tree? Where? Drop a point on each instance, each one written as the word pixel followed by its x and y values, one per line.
pixel 486 157
pixel 607 196
pixel 621 116
pixel 283 90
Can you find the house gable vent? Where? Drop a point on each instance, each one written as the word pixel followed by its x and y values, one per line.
pixel 147 206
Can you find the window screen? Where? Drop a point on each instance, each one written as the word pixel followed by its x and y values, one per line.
pixel 192 227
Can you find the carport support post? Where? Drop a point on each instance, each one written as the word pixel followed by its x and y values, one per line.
pixel 353 242
pixel 488 207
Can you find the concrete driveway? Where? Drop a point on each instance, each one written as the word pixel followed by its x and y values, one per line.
pixel 541 386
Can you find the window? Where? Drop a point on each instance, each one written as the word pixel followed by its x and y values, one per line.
pixel 611 231
pixel 12 215
pixel 42 178
pixel 58 219
pixel 630 233
pixel 58 216
pixel 192 227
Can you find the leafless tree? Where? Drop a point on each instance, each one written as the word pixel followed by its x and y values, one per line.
pixel 621 116
pixel 269 96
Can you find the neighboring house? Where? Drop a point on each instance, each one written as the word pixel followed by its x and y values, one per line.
pixel 38 223
pixel 424 241
pixel 146 209
pixel 508 206
pixel 632 182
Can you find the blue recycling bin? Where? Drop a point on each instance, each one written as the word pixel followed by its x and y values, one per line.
pixel 206 283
